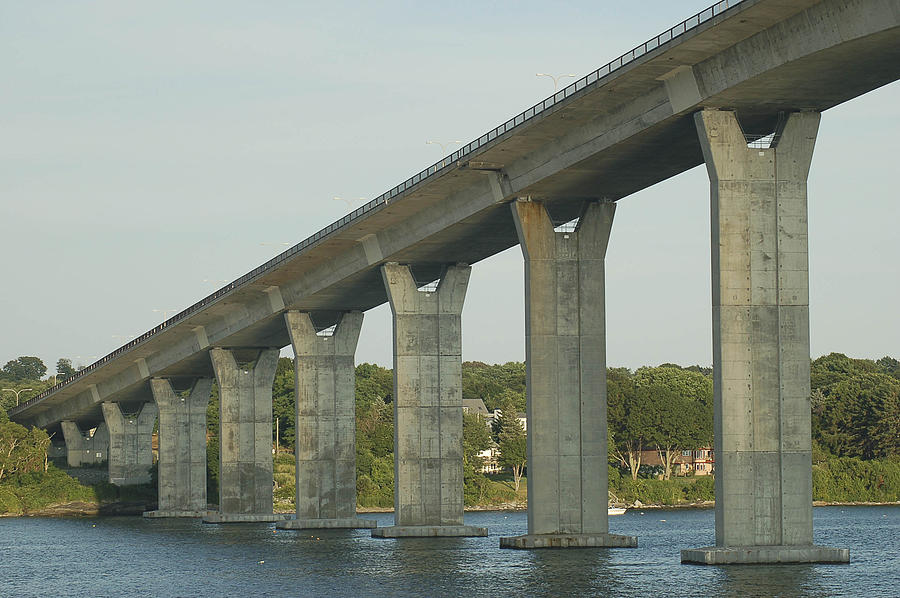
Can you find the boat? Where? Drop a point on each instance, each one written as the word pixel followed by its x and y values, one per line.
pixel 615 510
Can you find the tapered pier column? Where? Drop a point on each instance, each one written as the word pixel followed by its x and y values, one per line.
pixel 325 392
pixel 760 327
pixel 182 448
pixel 565 353
pixel 82 449
pixel 245 436
pixel 428 459
pixel 130 443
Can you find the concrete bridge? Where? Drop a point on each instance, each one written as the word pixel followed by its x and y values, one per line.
pixel 740 86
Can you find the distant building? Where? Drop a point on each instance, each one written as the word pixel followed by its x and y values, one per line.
pixel 699 461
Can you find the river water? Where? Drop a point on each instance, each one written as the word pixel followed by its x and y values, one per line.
pixel 130 556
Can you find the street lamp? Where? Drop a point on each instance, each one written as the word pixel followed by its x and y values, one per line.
pixel 555 78
pixel 166 312
pixel 443 145
pixel 347 201
pixel 13 390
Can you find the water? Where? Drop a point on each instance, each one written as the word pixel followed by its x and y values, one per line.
pixel 130 556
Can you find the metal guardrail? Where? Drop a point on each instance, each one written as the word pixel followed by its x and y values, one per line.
pixel 385 198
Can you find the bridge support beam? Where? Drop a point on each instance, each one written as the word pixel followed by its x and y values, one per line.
pixel 325 408
pixel 245 437
pixel 130 443
pixel 565 353
pixel 82 449
pixel 761 361
pixel 428 458
pixel 182 449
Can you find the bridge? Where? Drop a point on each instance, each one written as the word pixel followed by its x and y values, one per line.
pixel 739 87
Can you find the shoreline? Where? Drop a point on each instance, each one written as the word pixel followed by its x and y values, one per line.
pixel 117 509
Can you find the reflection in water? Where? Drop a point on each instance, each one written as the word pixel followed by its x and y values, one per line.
pixel 573 572
pixel 130 556
pixel 788 581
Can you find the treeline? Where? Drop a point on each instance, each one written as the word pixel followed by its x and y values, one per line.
pixel 855 408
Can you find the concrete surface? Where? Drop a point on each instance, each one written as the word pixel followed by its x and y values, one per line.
pixel 325 408
pixel 565 351
pixel 530 541
pixel 130 443
pixel 761 380
pixel 182 445
pixel 245 434
pixel 341 523
pixel 82 448
pixel 429 531
pixel 428 460
pixel 749 555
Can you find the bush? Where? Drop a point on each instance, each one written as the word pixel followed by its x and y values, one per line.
pixel 849 479
pixel 9 502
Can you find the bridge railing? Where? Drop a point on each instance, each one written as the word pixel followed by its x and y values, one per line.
pixel 385 198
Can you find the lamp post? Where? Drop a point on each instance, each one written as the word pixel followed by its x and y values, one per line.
pixel 166 312
pixel 13 390
pixel 555 78
pixel 347 201
pixel 443 145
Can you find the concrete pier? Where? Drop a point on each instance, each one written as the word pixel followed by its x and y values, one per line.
pixel 245 436
pixel 82 449
pixel 565 354
pixel 761 358
pixel 182 448
pixel 325 408
pixel 130 443
pixel 428 465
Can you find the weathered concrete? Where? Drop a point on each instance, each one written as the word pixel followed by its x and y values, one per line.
pixel 565 353
pixel 245 437
pixel 429 531
pixel 530 541
pixel 219 517
pixel 130 443
pixel 178 513
pixel 761 358
pixel 751 555
pixel 182 448
pixel 428 466
pixel 333 523
pixel 325 408
pixel 82 449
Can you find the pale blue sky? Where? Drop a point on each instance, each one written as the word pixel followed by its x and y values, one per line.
pixel 150 148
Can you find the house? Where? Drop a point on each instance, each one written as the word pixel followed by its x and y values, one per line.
pixel 700 461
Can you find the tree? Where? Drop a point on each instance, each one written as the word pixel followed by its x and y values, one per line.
pixel 512 442
pixel 25 368
pixel 64 368
pixel 859 416
pixel 680 411
pixel 22 450
pixel 630 421
pixel 476 438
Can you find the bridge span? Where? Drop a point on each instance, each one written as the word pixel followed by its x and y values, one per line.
pixel 739 87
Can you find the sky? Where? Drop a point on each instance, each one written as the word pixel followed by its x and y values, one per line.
pixel 150 152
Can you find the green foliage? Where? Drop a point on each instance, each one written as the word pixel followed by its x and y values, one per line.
pixel 494 383
pixel 22 450
pixel 855 407
pixel 24 368
pixel 671 492
pixel 476 438
pixel 64 369
pixel 847 479
pixel 283 402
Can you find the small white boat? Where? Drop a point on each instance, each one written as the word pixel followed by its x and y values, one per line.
pixel 615 510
